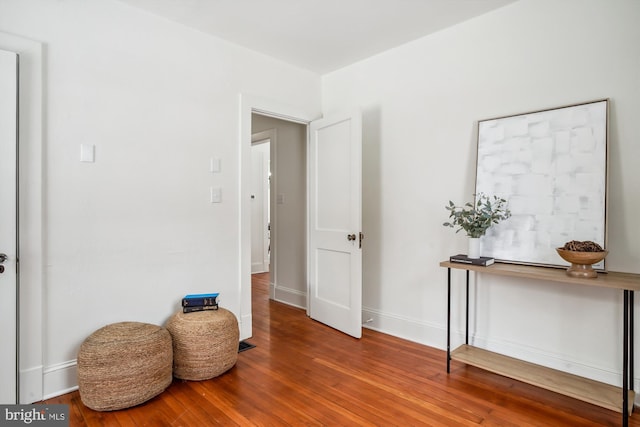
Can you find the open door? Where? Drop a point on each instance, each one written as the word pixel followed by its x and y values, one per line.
pixel 335 223
pixel 8 225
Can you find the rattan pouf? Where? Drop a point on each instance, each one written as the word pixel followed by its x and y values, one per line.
pixel 205 343
pixel 124 364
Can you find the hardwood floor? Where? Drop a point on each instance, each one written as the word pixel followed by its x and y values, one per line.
pixel 304 373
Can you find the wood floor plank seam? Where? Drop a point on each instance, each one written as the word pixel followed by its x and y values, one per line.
pixel 304 373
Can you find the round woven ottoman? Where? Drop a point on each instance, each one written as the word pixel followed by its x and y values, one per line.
pixel 205 343
pixel 124 364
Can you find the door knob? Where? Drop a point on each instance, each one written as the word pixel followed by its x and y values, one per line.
pixel 3 258
pixel 351 237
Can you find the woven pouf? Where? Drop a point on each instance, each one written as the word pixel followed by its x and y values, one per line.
pixel 124 364
pixel 205 343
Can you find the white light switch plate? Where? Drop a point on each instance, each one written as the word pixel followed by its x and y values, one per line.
pixel 216 195
pixel 215 166
pixel 87 153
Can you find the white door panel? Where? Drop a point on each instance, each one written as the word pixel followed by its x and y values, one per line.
pixel 332 284
pixel 333 168
pixel 335 223
pixel 260 208
pixel 8 224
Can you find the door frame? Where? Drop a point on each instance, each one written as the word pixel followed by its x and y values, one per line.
pixel 31 386
pixel 250 104
pixel 10 274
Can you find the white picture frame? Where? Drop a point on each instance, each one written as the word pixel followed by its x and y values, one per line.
pixel 551 166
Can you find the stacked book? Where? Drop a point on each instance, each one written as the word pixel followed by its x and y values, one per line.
pixel 199 302
pixel 463 259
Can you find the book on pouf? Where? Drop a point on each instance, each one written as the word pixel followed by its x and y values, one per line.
pixel 463 259
pixel 200 299
pixel 200 302
pixel 194 308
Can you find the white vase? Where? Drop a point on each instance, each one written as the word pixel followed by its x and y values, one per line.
pixel 474 247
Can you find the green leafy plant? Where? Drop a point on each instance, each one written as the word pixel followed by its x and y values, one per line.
pixel 476 219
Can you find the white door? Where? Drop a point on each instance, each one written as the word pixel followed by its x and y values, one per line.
pixel 8 224
pixel 260 207
pixel 335 223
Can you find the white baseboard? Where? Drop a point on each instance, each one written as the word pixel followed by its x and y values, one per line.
pixel 288 296
pixel 245 326
pixel 435 335
pixel 259 267
pixel 31 385
pixel 60 379
pixel 39 384
pixel 403 327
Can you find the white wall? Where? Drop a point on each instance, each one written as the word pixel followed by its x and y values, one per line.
pixel 421 103
pixel 127 236
pixel 288 208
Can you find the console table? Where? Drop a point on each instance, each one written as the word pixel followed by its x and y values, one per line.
pixel 594 392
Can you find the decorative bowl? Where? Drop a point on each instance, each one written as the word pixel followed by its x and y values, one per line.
pixel 581 262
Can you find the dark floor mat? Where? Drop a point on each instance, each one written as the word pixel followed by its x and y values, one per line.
pixel 244 346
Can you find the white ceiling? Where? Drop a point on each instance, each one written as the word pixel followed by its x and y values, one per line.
pixel 319 35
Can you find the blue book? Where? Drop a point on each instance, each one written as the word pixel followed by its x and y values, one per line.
pixel 200 299
pixel 211 295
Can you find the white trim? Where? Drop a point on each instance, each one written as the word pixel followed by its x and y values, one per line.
pixel 264 136
pixel 245 326
pixel 288 296
pixel 259 267
pixel 31 384
pixel 249 104
pixel 60 379
pixel 430 334
pixel 31 223
pixel 434 335
pixel 282 116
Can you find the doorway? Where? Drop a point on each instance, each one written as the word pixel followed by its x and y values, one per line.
pixel 250 105
pixel 287 210
pixel 338 131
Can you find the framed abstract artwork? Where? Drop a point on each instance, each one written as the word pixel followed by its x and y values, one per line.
pixel 551 166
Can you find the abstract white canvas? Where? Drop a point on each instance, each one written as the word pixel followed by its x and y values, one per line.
pixel 551 166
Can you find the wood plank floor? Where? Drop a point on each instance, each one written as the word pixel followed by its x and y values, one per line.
pixel 303 373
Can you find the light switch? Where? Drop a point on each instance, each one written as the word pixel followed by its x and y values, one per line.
pixel 87 153
pixel 216 195
pixel 280 199
pixel 215 166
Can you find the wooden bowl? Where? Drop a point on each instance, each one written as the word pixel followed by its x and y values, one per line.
pixel 581 262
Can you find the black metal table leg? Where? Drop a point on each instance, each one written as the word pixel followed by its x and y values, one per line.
pixel 625 359
pixel 466 338
pixel 448 320
pixel 631 359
